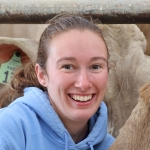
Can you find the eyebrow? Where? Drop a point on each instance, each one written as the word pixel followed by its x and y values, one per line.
pixel 73 59
pixel 65 58
pixel 98 58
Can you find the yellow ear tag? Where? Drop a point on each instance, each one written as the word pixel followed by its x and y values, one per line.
pixel 7 69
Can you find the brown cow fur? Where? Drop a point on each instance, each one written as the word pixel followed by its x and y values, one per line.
pixel 135 134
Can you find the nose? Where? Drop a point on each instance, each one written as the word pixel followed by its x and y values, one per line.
pixel 83 81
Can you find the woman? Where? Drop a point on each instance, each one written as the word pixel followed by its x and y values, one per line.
pixel 61 104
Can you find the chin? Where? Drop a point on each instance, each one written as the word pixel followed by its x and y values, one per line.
pixel 83 116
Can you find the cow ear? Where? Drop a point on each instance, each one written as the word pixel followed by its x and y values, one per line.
pixel 41 75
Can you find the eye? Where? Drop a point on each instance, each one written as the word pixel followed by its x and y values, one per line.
pixel 67 67
pixel 95 67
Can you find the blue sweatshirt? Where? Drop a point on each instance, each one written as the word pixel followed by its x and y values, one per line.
pixel 31 123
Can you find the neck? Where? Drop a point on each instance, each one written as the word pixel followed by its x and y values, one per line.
pixel 77 130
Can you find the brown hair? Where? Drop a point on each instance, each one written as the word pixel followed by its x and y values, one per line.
pixel 26 76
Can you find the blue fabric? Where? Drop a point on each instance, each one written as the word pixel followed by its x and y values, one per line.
pixel 30 123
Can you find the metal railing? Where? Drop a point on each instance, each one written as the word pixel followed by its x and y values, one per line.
pixel 108 11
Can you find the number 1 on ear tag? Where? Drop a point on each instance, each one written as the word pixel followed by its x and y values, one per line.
pixel 7 69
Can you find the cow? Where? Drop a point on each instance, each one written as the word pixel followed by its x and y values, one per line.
pixel 129 70
pixel 134 135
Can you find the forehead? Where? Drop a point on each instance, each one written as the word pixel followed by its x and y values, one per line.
pixel 78 42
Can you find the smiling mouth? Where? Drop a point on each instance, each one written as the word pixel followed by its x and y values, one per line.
pixel 81 98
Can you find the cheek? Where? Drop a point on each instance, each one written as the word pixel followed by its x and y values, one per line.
pixel 102 81
pixel 59 80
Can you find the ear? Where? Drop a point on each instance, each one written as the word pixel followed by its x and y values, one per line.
pixel 41 75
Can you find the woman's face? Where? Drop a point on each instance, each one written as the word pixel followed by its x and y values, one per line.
pixel 77 74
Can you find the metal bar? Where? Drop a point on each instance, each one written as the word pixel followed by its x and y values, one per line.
pixel 108 11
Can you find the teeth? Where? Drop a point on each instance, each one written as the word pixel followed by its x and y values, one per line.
pixel 81 98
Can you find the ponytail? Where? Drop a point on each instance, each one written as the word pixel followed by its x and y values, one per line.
pixel 23 77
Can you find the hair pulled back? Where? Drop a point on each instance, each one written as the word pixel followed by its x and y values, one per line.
pixel 26 76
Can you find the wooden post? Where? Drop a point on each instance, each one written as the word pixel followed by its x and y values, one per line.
pixel 108 11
